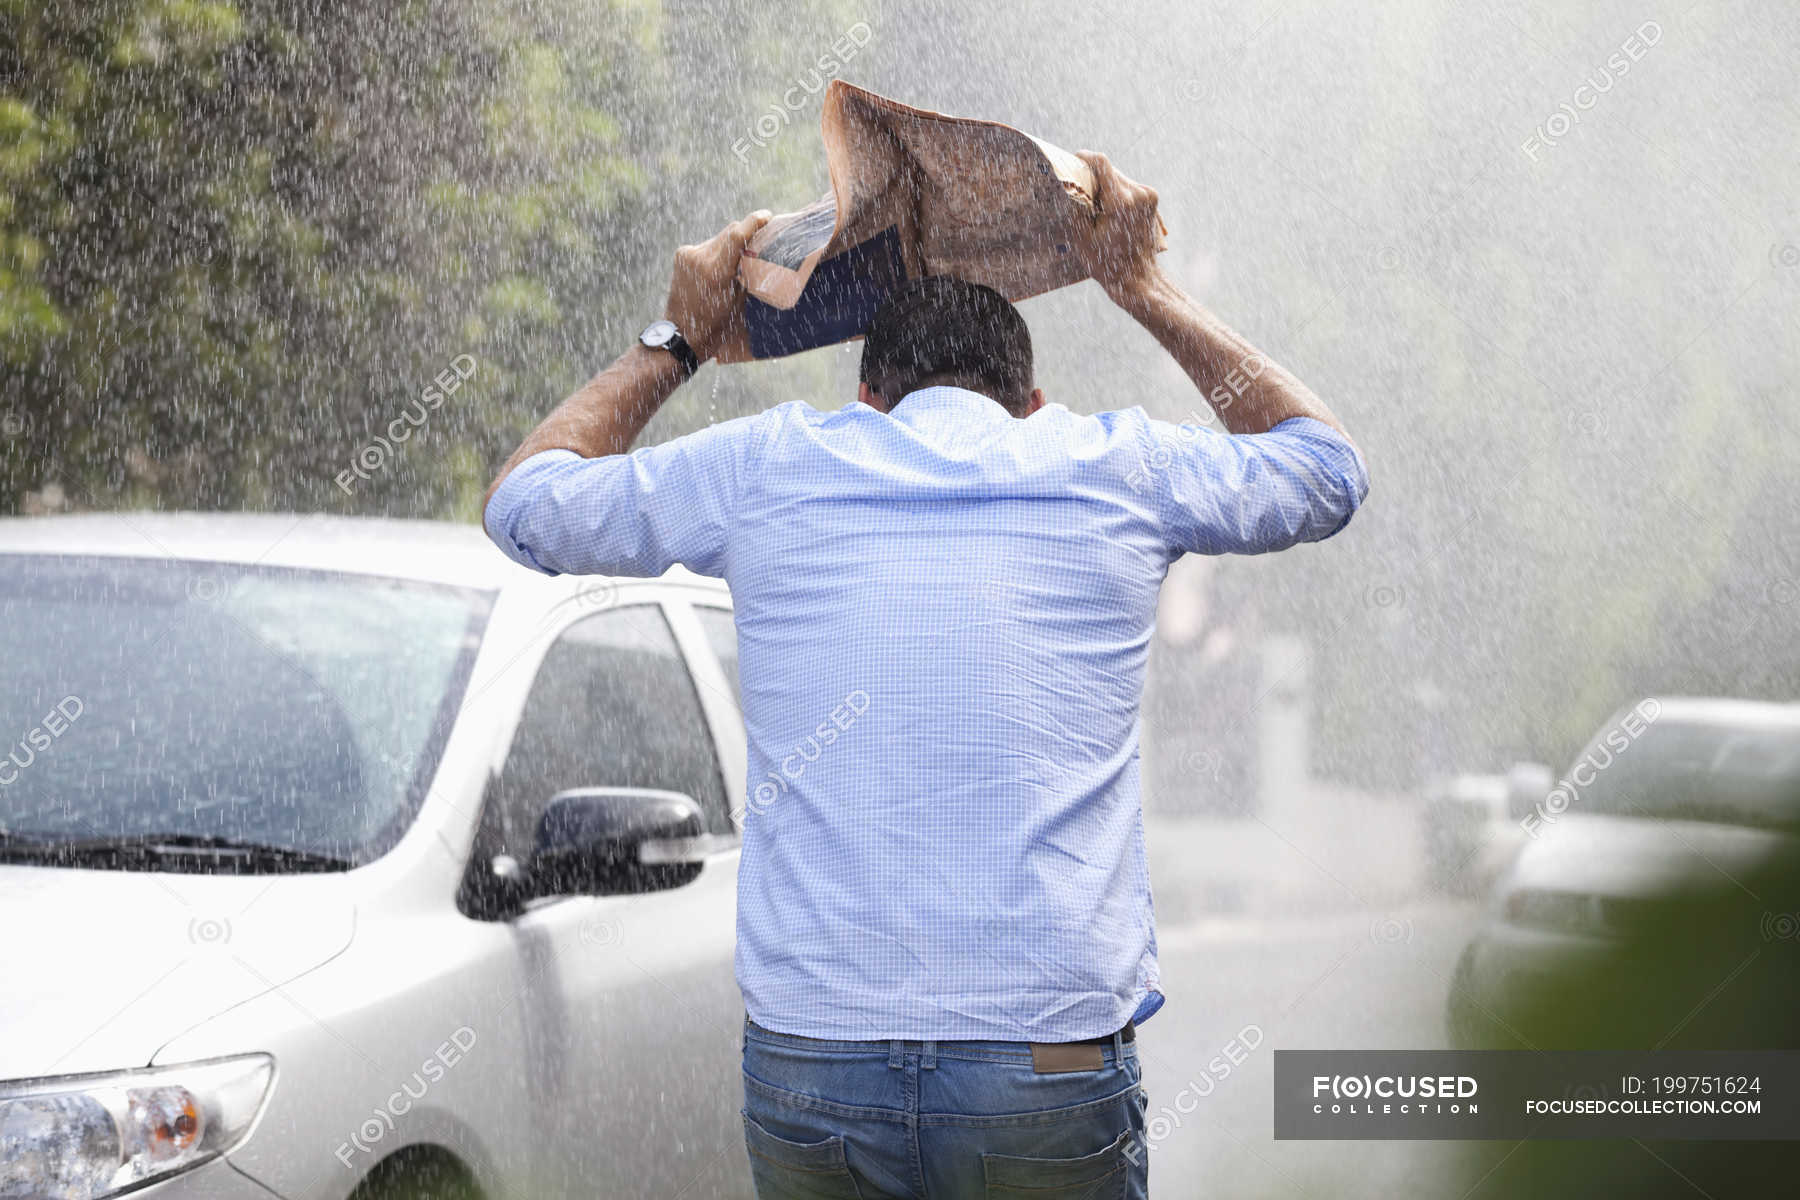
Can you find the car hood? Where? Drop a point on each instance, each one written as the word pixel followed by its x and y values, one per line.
pixel 103 967
pixel 1635 856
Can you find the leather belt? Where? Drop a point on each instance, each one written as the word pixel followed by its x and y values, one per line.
pixel 1129 1034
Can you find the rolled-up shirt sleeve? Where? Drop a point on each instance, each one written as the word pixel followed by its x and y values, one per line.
pixel 633 514
pixel 1301 481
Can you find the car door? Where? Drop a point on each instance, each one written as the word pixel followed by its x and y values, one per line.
pixel 707 630
pixel 632 1013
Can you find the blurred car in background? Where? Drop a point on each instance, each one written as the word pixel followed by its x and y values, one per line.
pixel 346 858
pixel 1474 825
pixel 1655 903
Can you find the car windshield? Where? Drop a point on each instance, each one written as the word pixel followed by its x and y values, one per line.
pixel 1734 775
pixel 200 709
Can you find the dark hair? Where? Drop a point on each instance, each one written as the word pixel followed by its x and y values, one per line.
pixel 941 330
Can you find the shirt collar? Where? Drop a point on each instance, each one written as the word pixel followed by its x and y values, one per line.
pixel 945 398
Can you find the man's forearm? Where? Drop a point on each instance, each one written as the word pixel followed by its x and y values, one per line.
pixel 606 414
pixel 1249 392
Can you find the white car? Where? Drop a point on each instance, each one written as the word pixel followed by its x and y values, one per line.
pixel 1657 898
pixel 343 856
pixel 1472 825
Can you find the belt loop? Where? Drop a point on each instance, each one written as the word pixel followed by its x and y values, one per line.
pixel 896 1055
pixel 1119 1049
pixel 928 1056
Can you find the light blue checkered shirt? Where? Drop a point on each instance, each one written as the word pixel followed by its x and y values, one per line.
pixel 943 617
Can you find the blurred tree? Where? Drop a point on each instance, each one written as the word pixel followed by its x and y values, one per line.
pixel 239 239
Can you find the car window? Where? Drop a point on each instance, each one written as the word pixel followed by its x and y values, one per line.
pixel 177 700
pixel 721 635
pixel 613 705
pixel 1701 772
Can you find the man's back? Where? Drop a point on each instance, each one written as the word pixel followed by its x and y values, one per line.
pixel 943 618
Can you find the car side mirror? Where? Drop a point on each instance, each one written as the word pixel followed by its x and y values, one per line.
pixel 1527 785
pixel 611 841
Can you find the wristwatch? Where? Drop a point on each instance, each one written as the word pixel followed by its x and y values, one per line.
pixel 663 335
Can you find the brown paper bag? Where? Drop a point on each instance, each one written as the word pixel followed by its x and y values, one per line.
pixel 913 193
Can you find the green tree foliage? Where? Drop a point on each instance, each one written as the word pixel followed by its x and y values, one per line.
pixel 239 239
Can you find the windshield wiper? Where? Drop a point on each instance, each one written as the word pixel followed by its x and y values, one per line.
pixel 158 847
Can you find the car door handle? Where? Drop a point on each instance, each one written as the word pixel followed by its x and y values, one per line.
pixel 661 851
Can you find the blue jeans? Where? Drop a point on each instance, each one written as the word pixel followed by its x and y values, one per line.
pixel 939 1121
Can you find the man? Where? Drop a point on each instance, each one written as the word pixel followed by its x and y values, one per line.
pixel 945 594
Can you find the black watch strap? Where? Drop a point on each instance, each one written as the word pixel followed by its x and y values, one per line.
pixel 683 352
pixel 663 335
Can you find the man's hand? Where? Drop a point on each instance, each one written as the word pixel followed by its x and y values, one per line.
pixel 705 298
pixel 1249 393
pixel 608 412
pixel 1120 252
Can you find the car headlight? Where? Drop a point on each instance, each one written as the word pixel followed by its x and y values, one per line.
pixel 80 1137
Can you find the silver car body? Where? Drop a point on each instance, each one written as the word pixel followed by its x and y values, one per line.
pixel 1582 883
pixel 1471 825
pixel 588 1046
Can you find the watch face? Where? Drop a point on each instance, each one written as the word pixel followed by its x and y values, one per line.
pixel 657 333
